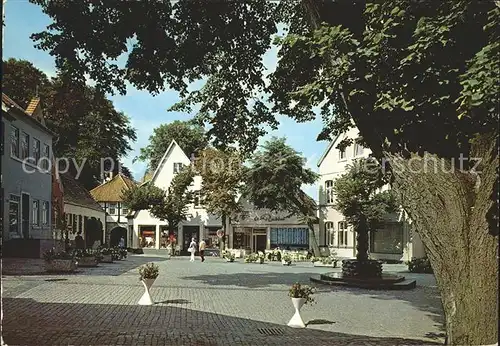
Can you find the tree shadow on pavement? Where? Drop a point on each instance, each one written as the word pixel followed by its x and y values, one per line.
pixel 428 299
pixel 85 324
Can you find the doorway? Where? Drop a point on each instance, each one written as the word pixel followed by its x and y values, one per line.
pixel 189 232
pixel 259 242
pixel 25 215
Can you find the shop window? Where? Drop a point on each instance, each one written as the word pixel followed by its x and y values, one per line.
pixel 290 237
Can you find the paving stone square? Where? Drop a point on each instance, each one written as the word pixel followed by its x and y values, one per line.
pixel 212 303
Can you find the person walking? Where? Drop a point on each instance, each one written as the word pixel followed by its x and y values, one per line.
pixel 121 244
pixel 192 249
pixel 202 250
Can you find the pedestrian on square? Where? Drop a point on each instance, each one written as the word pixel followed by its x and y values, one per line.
pixel 79 242
pixel 192 249
pixel 202 250
pixel 121 244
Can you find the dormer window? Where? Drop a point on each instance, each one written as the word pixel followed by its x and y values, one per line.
pixel 358 149
pixel 342 154
pixel 178 167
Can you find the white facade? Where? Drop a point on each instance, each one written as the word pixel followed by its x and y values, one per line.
pixel 393 242
pixel 148 230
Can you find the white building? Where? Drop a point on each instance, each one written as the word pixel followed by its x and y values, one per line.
pixel 148 231
pixel 109 196
pixel 394 241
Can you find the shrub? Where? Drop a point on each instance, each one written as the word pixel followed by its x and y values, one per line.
pixel 51 255
pixel 149 271
pixel 302 291
pixel 420 265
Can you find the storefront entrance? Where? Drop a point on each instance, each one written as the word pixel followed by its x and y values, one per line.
pixel 147 236
pixel 189 232
pixel 259 237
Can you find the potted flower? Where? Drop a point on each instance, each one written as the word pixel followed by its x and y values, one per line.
pixel 59 261
pixel 86 258
pixel 300 294
pixel 148 274
pixel 230 257
pixel 261 257
pixel 107 255
pixel 286 260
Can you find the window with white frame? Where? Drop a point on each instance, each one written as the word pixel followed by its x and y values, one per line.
pixel 329 192
pixel 342 154
pixel 25 146
pixel 330 234
pixel 45 213
pixel 124 210
pixel 36 151
pixel 112 208
pixel 46 154
pixel 14 141
pixel 358 149
pixel 14 213
pixel 177 167
pixel 342 234
pixel 35 216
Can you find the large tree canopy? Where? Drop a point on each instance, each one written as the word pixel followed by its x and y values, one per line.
pixel 190 137
pixel 87 125
pixel 419 79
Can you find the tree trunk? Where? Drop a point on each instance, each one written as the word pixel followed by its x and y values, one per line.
pixel 313 241
pixel 454 214
pixel 361 230
pixel 222 240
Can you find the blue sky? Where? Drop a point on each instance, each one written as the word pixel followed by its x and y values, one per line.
pixel 145 111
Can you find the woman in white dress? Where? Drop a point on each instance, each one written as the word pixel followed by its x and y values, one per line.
pixel 192 249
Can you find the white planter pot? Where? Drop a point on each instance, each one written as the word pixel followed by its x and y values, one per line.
pixel 146 297
pixel 296 321
pixel 285 263
pixel 319 264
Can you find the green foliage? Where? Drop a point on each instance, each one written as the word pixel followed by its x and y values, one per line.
pixel 420 265
pixel 149 271
pixel 222 177
pixel 358 196
pixel 274 181
pixel 51 255
pixel 302 291
pixel 170 205
pixel 86 122
pixel 189 135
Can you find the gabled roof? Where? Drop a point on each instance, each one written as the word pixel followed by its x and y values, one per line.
pixel 10 104
pixel 165 157
pixel 328 148
pixel 74 193
pixel 111 191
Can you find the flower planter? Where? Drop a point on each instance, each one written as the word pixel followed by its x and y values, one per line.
pixel 60 265
pixel 331 265
pixel 296 320
pixel 146 297
pixel 229 259
pixel 87 262
pixel 107 259
pixel 286 263
pixel 261 260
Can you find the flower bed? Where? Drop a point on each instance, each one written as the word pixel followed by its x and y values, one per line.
pixel 324 262
pixel 61 266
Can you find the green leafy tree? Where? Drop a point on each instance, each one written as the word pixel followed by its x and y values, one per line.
pixel 359 199
pixel 189 135
pixel 274 181
pixel 419 79
pixel 222 178
pixel 88 126
pixel 170 205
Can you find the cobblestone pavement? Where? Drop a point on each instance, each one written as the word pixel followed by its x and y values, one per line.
pixel 211 303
